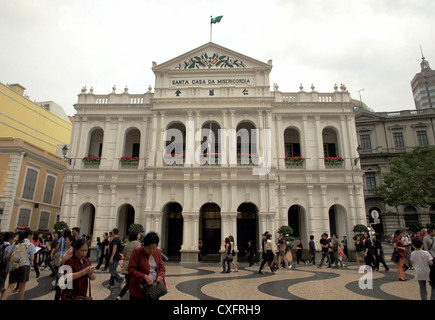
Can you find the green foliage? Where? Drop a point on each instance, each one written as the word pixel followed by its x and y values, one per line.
pixel 411 180
pixel 415 227
pixel 61 225
pixel 359 231
pixel 288 232
pixel 136 226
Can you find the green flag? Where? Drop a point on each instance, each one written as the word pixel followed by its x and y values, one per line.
pixel 216 19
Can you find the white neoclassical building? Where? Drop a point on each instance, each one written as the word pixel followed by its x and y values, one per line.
pixel 122 167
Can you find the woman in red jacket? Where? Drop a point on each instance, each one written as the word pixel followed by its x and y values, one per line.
pixel 145 266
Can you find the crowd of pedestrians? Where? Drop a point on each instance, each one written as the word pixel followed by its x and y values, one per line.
pixel 141 263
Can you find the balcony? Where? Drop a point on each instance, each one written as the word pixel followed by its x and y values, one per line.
pixel 247 159
pixel 91 162
pixel 333 163
pixel 129 162
pixel 294 162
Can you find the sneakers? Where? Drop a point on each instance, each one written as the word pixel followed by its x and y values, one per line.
pixel 118 298
pixel 108 286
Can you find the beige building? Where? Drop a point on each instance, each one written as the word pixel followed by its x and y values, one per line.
pixel 212 100
pixel 382 135
pixel 30 186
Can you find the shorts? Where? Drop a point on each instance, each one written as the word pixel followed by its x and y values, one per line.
pixel 360 254
pixel 19 275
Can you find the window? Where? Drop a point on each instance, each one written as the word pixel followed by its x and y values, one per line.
pixel 398 140
pixel 292 150
pixel 30 184
pixel 2 207
pixel 44 219
pixel 365 141
pixel 24 218
pixel 370 180
pixel 49 189
pixel 422 138
pixel 329 150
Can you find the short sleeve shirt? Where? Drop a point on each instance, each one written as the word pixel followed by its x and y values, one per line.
pixel 324 242
pixel 421 258
pixel 116 241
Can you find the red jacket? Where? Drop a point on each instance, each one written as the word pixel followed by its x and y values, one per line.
pixel 138 267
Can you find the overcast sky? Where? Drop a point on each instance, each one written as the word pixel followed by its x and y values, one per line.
pixel 54 48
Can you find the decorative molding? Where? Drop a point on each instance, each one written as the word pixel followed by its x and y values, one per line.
pixel 206 61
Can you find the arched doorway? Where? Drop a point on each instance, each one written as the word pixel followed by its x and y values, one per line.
pixel 86 219
pixel 338 221
pixel 210 223
pixel 173 223
pixel 296 220
pixel 125 219
pixel 247 227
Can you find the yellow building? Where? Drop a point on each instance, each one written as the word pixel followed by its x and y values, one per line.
pixel 31 165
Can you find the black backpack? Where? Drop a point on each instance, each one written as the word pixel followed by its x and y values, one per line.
pixel 3 262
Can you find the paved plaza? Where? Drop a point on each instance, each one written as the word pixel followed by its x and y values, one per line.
pixel 205 281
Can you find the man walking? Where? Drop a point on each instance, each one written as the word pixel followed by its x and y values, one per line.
pixel 312 250
pixel 324 243
pixel 114 251
pixel 428 242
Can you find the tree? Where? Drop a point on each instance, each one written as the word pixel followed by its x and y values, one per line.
pixel 137 227
pixel 61 225
pixel 359 231
pixel 288 232
pixel 411 180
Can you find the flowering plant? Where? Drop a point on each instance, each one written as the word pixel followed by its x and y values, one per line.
pixel 175 155
pixel 43 229
pixel 216 155
pixel 250 155
pixel 129 159
pixel 333 159
pixel 294 159
pixel 91 159
pixel 23 228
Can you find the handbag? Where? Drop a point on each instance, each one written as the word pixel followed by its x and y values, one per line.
pixel 395 257
pixel 154 291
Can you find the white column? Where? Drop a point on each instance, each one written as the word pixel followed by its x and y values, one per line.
pixel 160 142
pixel 152 155
pixel 280 150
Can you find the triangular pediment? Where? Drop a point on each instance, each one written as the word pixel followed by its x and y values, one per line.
pixel 211 56
pixel 364 115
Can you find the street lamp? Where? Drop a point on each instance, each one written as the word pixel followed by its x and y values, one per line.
pixel 64 151
pixel 357 159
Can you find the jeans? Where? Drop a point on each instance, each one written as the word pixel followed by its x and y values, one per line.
pixel 313 258
pixel 423 291
pixel 114 274
pixel 325 254
pixel 127 285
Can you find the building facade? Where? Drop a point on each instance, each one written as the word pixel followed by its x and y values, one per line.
pixel 31 170
pixel 381 136
pixel 214 152
pixel 423 86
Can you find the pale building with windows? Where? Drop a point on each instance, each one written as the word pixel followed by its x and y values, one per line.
pixel 382 135
pixel 298 169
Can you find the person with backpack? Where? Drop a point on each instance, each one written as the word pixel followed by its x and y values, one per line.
pixel 20 255
pixel 8 239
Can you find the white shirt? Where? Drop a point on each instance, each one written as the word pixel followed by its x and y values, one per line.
pixel 406 240
pixel 420 259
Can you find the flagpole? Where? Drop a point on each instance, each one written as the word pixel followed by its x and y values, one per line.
pixel 211 26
